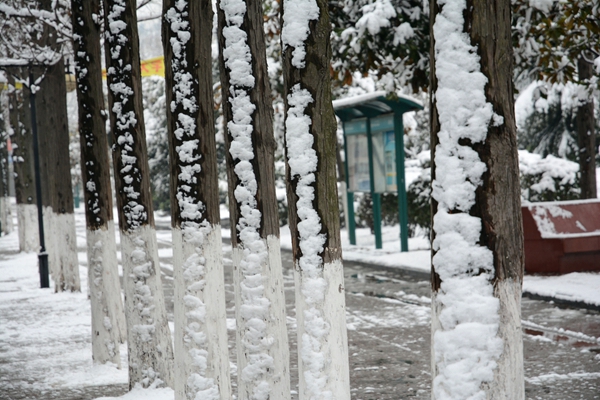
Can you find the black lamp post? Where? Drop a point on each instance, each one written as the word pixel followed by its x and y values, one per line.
pixel 42 256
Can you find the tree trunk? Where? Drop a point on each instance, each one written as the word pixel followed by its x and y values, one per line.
pixel 477 243
pixel 586 136
pixel 5 211
pixel 150 350
pixel 108 318
pixel 201 352
pixel 262 342
pixel 57 192
pixel 313 202
pixel 22 142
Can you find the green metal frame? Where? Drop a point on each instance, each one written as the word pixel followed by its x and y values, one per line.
pixel 375 197
pixel 401 181
pixel 371 108
pixel 349 197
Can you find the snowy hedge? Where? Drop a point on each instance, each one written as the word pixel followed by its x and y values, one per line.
pixel 547 179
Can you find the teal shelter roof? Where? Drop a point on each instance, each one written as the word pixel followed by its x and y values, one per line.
pixel 371 105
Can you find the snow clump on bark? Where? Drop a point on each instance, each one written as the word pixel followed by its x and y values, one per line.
pixel 254 309
pixel 466 342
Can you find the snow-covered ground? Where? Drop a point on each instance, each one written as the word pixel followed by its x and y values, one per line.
pixel 43 331
pixel 46 326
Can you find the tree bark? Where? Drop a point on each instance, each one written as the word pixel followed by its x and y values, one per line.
pixel 149 343
pixel 314 208
pixel 201 352
pixel 22 142
pixel 57 191
pixel 103 273
pixel 586 136
pixel 496 206
pixel 258 276
pixel 5 211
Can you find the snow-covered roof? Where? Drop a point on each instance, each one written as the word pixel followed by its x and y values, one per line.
pixel 363 98
pixel 566 219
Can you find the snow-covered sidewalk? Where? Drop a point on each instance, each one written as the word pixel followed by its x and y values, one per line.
pixel 38 324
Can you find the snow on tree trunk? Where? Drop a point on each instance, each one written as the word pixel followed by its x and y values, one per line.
pixel 108 318
pixel 586 133
pixel 478 238
pixel 310 139
pixel 262 342
pixel 150 349
pixel 57 192
pixel 22 142
pixel 5 211
pixel 201 352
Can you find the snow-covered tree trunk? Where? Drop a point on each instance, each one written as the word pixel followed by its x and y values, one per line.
pixel 310 141
pixel 586 133
pixel 150 349
pixel 57 192
pixel 5 210
pixel 22 142
pixel 201 352
pixel 108 318
pixel 478 236
pixel 262 342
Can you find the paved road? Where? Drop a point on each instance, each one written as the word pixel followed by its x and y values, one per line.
pixel 388 317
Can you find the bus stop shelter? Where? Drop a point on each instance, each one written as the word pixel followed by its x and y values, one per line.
pixel 374 154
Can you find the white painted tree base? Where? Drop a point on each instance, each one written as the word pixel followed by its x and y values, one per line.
pixel 6 215
pixel 150 349
pixel 27 218
pixel 509 376
pixel 50 244
pixel 108 317
pixel 275 328
pixel 508 380
pixel 201 352
pixel 333 345
pixel 61 246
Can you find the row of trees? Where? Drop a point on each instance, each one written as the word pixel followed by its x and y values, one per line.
pixel 477 237
pixel 200 366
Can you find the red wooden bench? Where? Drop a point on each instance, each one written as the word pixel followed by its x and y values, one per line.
pixel 562 236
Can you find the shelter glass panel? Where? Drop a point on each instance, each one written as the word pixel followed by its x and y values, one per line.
pixel 358 163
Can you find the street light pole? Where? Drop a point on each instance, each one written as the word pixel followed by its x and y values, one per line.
pixel 42 256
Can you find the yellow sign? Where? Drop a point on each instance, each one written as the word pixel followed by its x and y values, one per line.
pixel 153 66
pixel 4 85
pixel 150 67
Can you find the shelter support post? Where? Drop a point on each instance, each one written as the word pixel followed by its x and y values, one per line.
pixel 401 181
pixel 351 222
pixel 375 197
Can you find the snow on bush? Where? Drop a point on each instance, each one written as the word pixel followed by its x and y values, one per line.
pixel 547 179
